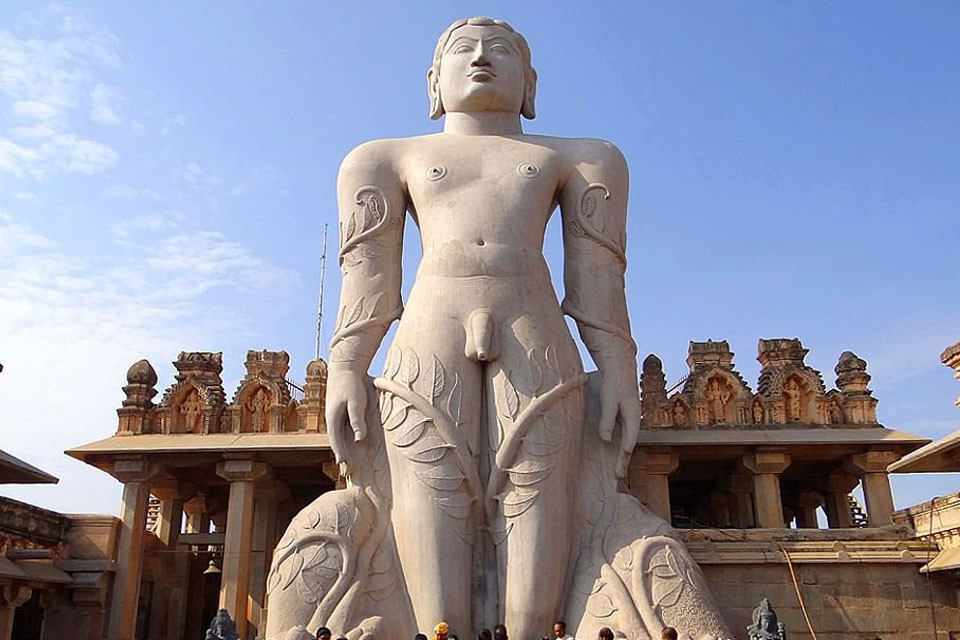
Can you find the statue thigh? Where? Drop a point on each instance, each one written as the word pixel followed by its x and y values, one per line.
pixel 534 414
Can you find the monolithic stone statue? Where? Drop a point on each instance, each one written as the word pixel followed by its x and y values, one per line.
pixel 483 464
pixel 765 624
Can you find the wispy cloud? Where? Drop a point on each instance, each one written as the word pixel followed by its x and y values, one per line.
pixel 196 176
pixel 128 192
pixel 106 105
pixel 172 124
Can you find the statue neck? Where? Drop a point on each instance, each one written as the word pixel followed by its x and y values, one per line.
pixel 482 123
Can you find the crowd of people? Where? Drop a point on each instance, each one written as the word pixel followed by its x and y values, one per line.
pixel 442 632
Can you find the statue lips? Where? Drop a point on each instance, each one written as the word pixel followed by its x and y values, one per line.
pixel 481 75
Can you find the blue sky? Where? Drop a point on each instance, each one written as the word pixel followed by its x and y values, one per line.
pixel 166 172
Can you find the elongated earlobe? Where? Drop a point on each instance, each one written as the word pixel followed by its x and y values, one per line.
pixel 528 109
pixel 433 90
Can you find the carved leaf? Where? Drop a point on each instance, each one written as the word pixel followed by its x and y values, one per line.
pixel 516 503
pixel 375 305
pixel 529 473
pixel 351 229
pixel 436 380
pixel 413 433
pixel 599 605
pixel 500 535
pixel 553 362
pixel 340 314
pixel 394 360
pixel 455 401
pixel 456 506
pixel 373 209
pixel 399 414
pixel 274 579
pixel 318 555
pixel 355 311
pixel 379 586
pixel 386 406
pixel 294 565
pixel 536 373
pixel 436 478
pixel 430 449
pixel 411 368
pixel 538 441
pixel 510 397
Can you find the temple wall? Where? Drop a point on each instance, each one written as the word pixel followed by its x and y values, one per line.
pixel 856 584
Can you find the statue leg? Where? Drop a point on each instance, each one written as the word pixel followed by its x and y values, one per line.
pixel 535 421
pixel 430 402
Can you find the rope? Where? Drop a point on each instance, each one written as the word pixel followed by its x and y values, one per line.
pixel 796 588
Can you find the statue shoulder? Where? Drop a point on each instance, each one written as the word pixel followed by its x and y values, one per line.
pixel 385 156
pixel 595 151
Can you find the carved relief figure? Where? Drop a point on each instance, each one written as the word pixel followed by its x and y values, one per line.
pixel 718 394
pixel 191 412
pixel 792 403
pixel 258 406
pixel 757 412
pixel 679 414
pixel 483 402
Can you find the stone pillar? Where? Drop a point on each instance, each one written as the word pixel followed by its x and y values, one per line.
pixel 170 519
pixel 637 475
pixel 766 466
pixel 11 597
pixel 807 504
pixel 198 514
pixel 238 539
pixel 839 486
pixel 332 470
pixel 264 540
pixel 134 474
pixel 741 501
pixel 876 484
pixel 660 464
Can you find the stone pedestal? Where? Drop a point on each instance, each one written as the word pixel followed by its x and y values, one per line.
pixel 134 473
pixel 660 465
pixel 876 484
pixel 766 466
pixel 11 597
pixel 238 538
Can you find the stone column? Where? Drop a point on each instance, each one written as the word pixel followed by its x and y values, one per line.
pixel 741 499
pixel 839 486
pixel 807 504
pixel 332 470
pixel 660 464
pixel 11 597
pixel 876 484
pixel 264 540
pixel 134 474
pixel 238 539
pixel 766 466
pixel 637 475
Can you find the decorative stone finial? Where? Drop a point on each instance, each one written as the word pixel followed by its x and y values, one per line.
pixel 851 372
pixel 653 393
pixel 311 409
pixel 652 364
pixel 135 410
pixel 269 364
pixel 780 351
pixel 951 358
pixel 708 354
pixel 222 627
pixel 142 372
pixel 199 363
pixel 765 625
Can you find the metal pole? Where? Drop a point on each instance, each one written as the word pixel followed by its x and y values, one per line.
pixel 323 277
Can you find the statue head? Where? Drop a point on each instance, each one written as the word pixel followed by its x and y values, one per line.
pixel 481 64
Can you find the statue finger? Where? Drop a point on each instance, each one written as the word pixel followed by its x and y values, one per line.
pixel 336 418
pixel 358 421
pixel 608 415
pixel 630 413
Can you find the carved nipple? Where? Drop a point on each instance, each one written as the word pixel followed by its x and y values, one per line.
pixel 528 170
pixel 436 172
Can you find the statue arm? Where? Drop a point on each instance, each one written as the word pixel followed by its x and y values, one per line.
pixel 372 207
pixel 593 203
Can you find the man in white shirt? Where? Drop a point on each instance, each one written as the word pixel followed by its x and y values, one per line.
pixel 560 631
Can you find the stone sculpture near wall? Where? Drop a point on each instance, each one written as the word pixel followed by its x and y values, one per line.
pixel 483 465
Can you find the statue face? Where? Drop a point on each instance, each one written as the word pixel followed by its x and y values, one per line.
pixel 481 69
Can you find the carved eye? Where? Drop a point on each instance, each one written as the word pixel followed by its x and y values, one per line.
pixel 463 48
pixel 436 172
pixel 499 48
pixel 528 170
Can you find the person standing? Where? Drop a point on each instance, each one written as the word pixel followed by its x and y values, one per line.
pixel 560 631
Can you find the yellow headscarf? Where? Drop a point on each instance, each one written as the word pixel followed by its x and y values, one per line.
pixel 441 630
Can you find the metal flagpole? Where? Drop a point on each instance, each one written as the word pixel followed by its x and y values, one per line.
pixel 323 277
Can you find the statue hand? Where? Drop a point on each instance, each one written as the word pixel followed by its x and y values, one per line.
pixel 346 405
pixel 619 398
